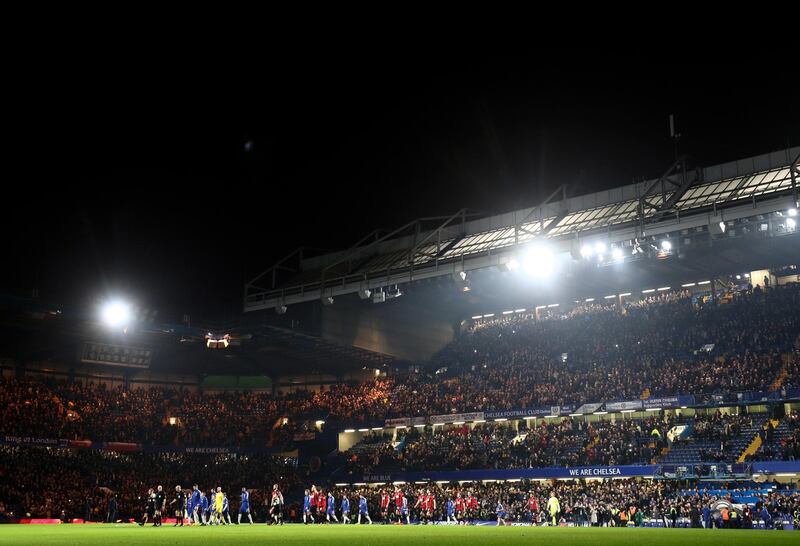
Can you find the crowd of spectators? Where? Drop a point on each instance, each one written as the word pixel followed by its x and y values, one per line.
pixel 76 483
pixel 784 448
pixel 591 353
pixel 66 484
pixel 595 503
pixel 565 442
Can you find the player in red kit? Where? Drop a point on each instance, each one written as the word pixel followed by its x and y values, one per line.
pixel 429 507
pixel 314 500
pixel 420 506
pixel 398 503
pixel 460 507
pixel 385 506
pixel 472 507
pixel 322 504
pixel 533 507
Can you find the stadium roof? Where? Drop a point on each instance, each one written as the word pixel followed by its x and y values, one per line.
pixel 438 246
pixel 36 331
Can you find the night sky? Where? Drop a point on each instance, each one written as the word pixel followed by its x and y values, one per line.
pixel 172 187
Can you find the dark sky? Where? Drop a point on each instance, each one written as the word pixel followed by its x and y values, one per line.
pixel 139 182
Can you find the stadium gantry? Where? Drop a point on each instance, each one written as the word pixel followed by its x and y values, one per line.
pixel 702 199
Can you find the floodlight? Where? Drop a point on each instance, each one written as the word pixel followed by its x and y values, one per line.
pixel 790 223
pixel 792 212
pixel 722 227
pixel 599 247
pixel 586 251
pixel 512 264
pixel 538 262
pixel 116 313
pixel 617 254
pixel 666 245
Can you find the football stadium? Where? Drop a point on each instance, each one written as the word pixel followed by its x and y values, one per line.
pixel 592 367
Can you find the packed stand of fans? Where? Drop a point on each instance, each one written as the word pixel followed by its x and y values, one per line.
pixel 568 442
pixel 610 353
pixel 70 483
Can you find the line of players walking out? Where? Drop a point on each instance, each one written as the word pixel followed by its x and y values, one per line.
pixel 197 508
pixel 319 507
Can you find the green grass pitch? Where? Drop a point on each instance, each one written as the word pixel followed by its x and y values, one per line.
pixel 383 535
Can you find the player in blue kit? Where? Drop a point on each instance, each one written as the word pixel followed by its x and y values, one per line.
pixel 307 508
pixel 226 512
pixel 331 510
pixel 404 511
pixel 451 511
pixel 500 511
pixel 194 501
pixel 345 508
pixel 205 508
pixel 244 506
pixel 362 509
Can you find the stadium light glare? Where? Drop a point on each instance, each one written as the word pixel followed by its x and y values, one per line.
pixel 538 262
pixel 488 315
pixel 624 294
pixel 348 430
pixel 666 245
pixel 627 411
pixel 790 223
pixel 476 317
pixel 648 291
pixel 458 422
pixel 663 288
pixel 519 310
pixel 553 305
pixel 512 264
pixel 652 409
pixel 600 248
pixel 586 251
pixel 507 312
pixel 704 282
pixel 688 285
pixel 587 300
pixel 500 420
pixel 617 254
pixel 363 430
pixel 377 428
pixel 599 413
pixel 576 415
pixel 722 227
pixel 609 296
pixel 792 212
pixel 116 313
pixel 320 422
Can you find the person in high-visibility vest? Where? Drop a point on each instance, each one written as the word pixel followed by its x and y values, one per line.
pixel 553 507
